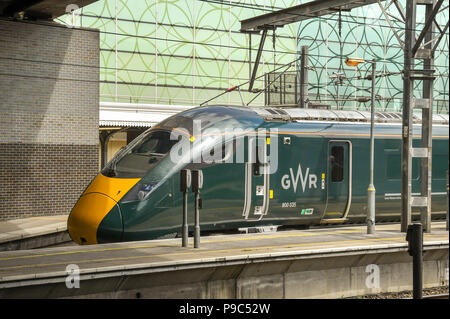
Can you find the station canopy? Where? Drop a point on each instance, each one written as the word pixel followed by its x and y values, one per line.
pixel 114 114
pixel 40 9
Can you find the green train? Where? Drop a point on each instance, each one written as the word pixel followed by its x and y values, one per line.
pixel 261 166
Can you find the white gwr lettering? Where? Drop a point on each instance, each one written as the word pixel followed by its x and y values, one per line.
pixel 286 180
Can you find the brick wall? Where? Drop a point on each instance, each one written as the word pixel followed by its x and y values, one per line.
pixel 49 95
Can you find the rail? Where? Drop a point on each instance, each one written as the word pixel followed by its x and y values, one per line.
pixel 437 296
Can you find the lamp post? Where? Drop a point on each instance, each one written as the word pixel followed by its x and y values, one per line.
pixel 353 62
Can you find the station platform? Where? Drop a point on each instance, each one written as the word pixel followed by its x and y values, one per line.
pixel 317 263
pixel 33 232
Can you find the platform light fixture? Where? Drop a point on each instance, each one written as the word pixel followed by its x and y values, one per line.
pixel 353 62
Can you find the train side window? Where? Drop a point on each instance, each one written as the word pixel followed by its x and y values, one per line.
pixel 337 163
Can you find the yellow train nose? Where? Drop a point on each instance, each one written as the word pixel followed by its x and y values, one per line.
pixel 97 201
pixel 86 217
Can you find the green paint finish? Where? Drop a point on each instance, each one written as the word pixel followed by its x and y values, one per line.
pixel 299 195
pixel 111 227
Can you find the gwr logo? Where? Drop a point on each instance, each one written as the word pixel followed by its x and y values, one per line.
pixel 286 180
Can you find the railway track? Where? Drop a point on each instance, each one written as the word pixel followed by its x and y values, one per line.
pixel 437 296
pixel 427 293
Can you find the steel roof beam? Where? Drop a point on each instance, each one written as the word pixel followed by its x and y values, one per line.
pixel 297 13
pixel 258 57
pixel 300 12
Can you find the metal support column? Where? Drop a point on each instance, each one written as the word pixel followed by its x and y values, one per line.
pixel 371 189
pixel 304 77
pixel 447 203
pixel 407 115
pixel 414 51
pixel 249 55
pixel 427 119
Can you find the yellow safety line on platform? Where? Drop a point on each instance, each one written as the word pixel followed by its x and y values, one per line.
pixel 175 245
pixel 193 252
pixel 282 236
pixel 196 251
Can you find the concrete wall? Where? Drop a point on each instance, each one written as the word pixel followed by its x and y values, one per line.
pixel 49 97
pixel 315 278
pixel 340 274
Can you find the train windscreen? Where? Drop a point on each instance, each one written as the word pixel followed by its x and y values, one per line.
pixel 140 156
pixel 146 151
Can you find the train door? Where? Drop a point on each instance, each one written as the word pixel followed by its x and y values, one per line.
pixel 257 179
pixel 339 180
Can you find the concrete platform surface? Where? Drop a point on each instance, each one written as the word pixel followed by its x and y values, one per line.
pixel 18 229
pixel 161 255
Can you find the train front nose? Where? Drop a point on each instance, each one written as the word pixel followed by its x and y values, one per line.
pixel 96 217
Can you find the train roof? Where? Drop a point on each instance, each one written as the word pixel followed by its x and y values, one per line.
pixel 131 114
pixel 302 114
pixel 237 116
pixel 222 118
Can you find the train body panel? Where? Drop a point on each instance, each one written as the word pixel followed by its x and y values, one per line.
pixel 264 173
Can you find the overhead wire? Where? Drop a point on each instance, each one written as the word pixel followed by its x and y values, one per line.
pixel 330 83
pixel 258 7
pixel 212 44
pixel 209 44
pixel 222 3
pixel 379 74
pixel 215 30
